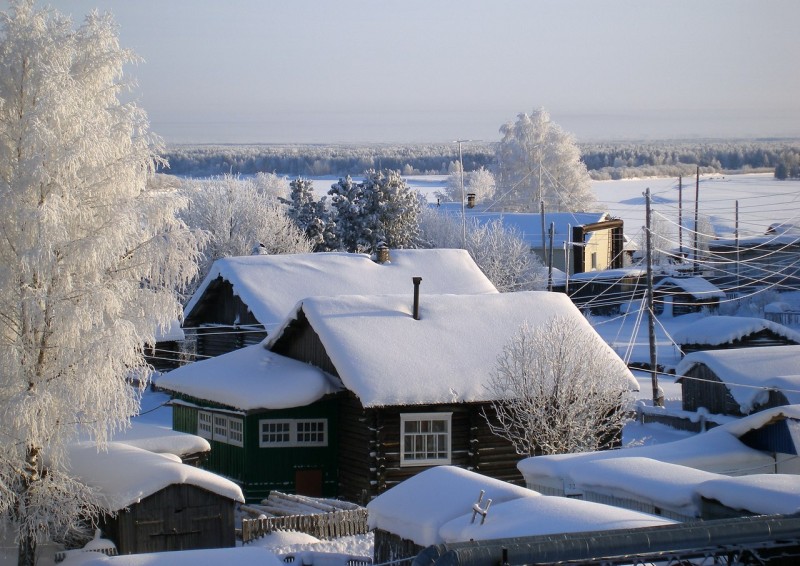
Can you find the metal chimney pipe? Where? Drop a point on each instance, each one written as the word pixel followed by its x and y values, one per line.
pixel 417 281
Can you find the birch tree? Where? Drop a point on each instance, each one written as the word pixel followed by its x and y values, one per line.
pixel 90 259
pixel 558 389
pixel 240 218
pixel 539 161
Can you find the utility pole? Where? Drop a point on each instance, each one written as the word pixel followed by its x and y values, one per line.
pixel 544 234
pixel 567 246
pixel 658 401
pixel 695 267
pixel 680 216
pixel 736 235
pixel 550 258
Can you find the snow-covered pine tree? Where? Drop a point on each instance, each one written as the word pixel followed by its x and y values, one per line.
pixel 381 209
pixel 310 215
pixel 90 259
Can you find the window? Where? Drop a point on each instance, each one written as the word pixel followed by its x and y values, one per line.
pixel 425 438
pixel 594 260
pixel 204 425
pixel 236 432
pixel 293 432
pixel 221 428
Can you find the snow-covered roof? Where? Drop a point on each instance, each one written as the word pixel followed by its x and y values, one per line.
pixel 172 332
pixel 386 357
pixel 765 494
pixel 250 378
pixel 698 287
pixel 739 427
pixel 718 450
pixel 716 330
pixel 162 440
pixel 416 508
pixel 609 275
pixel 124 474
pixel 270 285
pixel 528 225
pixel 665 485
pixel 546 515
pixel 240 555
pixel 750 372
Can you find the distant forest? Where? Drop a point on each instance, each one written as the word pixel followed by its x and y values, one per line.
pixel 603 160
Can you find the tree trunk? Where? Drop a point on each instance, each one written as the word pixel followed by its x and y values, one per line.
pixel 27 551
pixel 26 555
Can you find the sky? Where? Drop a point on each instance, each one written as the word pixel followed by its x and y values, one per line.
pixel 354 71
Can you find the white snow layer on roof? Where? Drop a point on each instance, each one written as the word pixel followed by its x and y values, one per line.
pixel 698 287
pixel 270 285
pixel 739 427
pixel 665 485
pixel 546 515
pixel 716 451
pixel 124 475
pixel 764 494
pixel 241 556
pixel 715 330
pixel 751 372
pixel 250 378
pixel 416 508
pixel 162 440
pixel 386 357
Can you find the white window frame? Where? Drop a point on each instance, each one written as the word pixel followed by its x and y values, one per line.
pixel 295 433
pixel 405 461
pixel 205 425
pixel 235 431
pixel 220 427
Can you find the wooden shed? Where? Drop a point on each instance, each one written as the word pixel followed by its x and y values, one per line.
pixel 675 296
pixel 740 381
pixel 416 385
pixel 272 421
pixel 156 504
pixel 728 332
pixel 243 298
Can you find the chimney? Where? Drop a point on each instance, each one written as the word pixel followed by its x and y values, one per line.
pixel 382 255
pixel 417 281
pixel 470 200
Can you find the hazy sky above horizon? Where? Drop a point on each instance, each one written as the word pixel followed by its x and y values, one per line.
pixel 315 71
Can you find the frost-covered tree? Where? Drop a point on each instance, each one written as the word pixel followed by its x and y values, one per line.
pixel 311 216
pixel 558 390
pixel 381 209
pixel 500 252
pixel 481 183
pixel 538 161
pixel 271 185
pixel 240 219
pixel 90 258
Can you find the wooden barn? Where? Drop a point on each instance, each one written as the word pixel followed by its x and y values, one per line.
pixel 674 296
pixel 243 298
pixel 272 421
pixel 605 292
pixel 740 381
pixel 156 504
pixel 730 332
pixel 414 380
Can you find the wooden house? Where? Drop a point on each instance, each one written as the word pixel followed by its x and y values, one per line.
pixel 581 241
pixel 728 332
pixel 272 422
pixel 740 381
pixel 756 262
pixel 605 292
pixel 243 298
pixel 674 296
pixel 414 380
pixel 154 503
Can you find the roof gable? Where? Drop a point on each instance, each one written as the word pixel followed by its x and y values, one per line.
pixel 386 357
pixel 697 287
pixel 270 285
pixel 716 330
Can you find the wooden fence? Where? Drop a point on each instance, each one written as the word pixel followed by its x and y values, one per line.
pixel 320 525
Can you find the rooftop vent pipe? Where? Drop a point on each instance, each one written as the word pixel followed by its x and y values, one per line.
pixel 417 281
pixel 471 200
pixel 382 254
